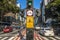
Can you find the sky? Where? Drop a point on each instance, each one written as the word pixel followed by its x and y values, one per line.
pixel 36 3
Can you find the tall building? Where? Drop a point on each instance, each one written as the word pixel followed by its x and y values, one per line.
pixel 48 1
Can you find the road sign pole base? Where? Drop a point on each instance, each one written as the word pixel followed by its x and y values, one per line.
pixel 30 34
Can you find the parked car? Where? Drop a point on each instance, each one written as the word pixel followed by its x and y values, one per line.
pixel 7 29
pixel 37 27
pixel 3 24
pixel 47 31
pixel 17 27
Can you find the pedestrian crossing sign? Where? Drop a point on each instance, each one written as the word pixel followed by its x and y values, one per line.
pixel 29 22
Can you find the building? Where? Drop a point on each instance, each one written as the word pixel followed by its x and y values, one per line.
pixel 48 1
pixel 9 17
pixel 43 4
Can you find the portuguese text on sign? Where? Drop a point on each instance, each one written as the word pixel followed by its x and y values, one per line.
pixel 30 22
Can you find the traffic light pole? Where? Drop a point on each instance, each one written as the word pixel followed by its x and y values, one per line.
pixel 29 21
pixel 29 28
pixel 30 34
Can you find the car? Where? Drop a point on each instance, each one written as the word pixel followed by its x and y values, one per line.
pixel 17 27
pixel 37 27
pixel 7 29
pixel 47 31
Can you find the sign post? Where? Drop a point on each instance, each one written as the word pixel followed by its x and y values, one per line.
pixel 29 22
pixel 29 25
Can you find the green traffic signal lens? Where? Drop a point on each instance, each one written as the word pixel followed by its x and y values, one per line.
pixel 30 3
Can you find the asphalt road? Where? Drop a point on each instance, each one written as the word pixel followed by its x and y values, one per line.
pixel 39 37
pixel 11 36
pixel 8 36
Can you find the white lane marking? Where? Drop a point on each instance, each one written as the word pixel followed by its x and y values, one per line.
pixel 0 37
pixel 4 38
pixel 37 38
pixel 52 38
pixel 57 37
pixel 14 31
pixel 45 38
pixel 11 38
pixel 1 32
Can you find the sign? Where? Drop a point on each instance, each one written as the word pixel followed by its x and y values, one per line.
pixel 29 13
pixel 30 22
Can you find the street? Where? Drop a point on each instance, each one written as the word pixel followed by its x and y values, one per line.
pixel 51 38
pixel 8 36
pixel 12 35
pixel 40 37
pixel 29 19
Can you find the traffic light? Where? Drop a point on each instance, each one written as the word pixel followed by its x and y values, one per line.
pixel 29 3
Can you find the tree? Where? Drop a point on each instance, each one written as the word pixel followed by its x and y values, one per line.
pixel 55 3
pixel 54 6
pixel 8 6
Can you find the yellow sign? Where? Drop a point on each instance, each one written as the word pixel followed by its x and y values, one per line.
pixel 30 22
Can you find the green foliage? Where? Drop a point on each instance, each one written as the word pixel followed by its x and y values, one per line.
pixel 55 3
pixel 8 6
pixel 48 6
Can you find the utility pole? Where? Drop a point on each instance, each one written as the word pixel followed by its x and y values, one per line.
pixel 29 20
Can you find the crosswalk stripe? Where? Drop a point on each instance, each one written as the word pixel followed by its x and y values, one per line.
pixel 0 37
pixel 45 38
pixel 11 38
pixel 37 38
pixel 14 31
pixel 1 32
pixel 57 37
pixel 4 38
pixel 52 38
